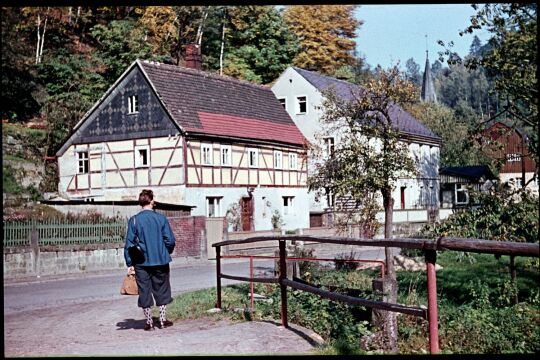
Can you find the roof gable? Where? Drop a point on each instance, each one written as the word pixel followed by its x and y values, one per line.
pixel 345 90
pixel 204 103
pixel 109 120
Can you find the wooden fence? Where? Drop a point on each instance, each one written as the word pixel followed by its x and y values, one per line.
pixel 63 232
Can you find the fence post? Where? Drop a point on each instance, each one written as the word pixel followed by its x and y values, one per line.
pixel 218 276
pixel 431 258
pixel 283 288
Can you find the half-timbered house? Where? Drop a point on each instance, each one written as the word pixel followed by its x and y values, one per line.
pixel 508 146
pixel 222 145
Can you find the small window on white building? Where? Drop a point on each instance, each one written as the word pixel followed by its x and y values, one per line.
pixel 253 157
pixel 462 194
pixel 301 103
pixel 329 143
pixel 142 156
pixel 278 159
pixel 83 161
pixel 226 155
pixel 513 157
pixel 206 154
pixel 283 102
pixel 133 104
pixel 287 205
pixel 293 161
pixel 213 206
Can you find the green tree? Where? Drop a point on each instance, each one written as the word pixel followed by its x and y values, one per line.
pixel 20 99
pixel 412 72
pixel 326 34
pixel 458 146
pixel 257 44
pixel 369 157
pixel 511 60
pixel 119 43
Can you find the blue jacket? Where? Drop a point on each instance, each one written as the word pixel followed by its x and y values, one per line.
pixel 155 238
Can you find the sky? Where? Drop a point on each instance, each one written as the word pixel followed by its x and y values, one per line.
pixel 398 32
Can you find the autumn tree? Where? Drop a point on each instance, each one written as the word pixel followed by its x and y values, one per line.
pixel 327 35
pixel 368 158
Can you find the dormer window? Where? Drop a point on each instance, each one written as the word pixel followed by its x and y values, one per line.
pixel 133 104
pixel 301 103
pixel 283 103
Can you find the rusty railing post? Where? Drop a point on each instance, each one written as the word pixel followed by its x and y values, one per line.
pixel 283 288
pixel 251 283
pixel 218 276
pixel 431 258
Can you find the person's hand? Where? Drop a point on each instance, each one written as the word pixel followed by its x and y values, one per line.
pixel 131 270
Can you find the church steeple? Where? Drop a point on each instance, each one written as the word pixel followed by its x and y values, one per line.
pixel 428 86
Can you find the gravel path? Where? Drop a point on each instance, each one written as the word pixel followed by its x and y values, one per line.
pixel 115 327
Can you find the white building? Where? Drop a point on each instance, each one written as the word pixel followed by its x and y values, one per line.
pixel 416 199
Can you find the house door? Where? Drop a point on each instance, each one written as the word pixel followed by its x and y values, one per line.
pixel 247 213
pixel 403 197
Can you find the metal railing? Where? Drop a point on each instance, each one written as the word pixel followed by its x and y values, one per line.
pixel 430 248
pixel 63 232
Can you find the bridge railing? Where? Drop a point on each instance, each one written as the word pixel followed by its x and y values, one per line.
pixel 428 246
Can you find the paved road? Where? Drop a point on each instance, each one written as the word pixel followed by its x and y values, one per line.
pixel 57 291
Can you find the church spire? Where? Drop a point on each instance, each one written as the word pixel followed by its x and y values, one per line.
pixel 428 86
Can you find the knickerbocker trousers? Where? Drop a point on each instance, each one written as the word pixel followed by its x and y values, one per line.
pixel 153 283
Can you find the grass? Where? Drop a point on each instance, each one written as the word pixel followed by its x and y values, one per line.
pixel 476 314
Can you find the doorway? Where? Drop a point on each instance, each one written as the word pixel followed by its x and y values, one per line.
pixel 247 213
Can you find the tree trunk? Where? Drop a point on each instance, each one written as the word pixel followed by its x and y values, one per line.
pixel 222 43
pixel 387 320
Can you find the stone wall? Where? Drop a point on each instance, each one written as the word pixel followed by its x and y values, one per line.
pixel 66 259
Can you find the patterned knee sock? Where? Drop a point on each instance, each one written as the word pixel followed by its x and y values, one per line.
pixel 162 310
pixel 148 315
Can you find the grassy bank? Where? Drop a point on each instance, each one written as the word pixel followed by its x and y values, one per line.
pixel 476 313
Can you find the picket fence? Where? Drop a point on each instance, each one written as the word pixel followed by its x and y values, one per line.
pixel 64 232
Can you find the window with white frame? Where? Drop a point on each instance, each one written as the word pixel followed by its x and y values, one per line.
pixel 329 143
pixel 83 162
pixel 142 156
pixel 293 161
pixel 213 206
pixel 206 154
pixel 133 104
pixel 301 104
pixel 283 102
pixel 287 205
pixel 513 157
pixel 278 159
pixel 226 155
pixel 253 157
pixel 462 194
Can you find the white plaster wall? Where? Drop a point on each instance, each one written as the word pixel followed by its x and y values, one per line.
pixel 290 85
pixel 266 200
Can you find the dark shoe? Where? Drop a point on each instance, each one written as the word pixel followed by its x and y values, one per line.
pixel 148 327
pixel 166 323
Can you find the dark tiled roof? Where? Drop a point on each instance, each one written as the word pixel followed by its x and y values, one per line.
pixel 348 91
pixel 471 172
pixel 205 103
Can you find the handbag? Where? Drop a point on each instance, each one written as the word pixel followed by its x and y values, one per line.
pixel 135 252
pixel 129 285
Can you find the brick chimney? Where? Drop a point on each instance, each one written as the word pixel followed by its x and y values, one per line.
pixel 193 56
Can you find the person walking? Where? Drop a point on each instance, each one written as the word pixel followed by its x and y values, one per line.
pixel 157 241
